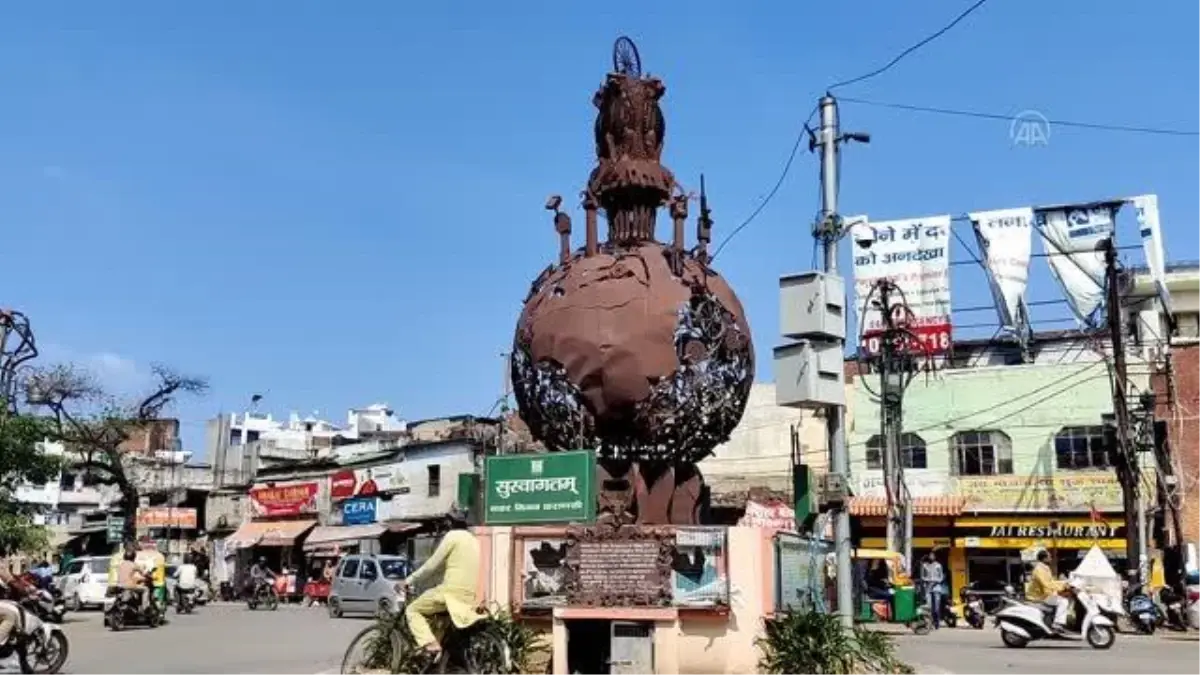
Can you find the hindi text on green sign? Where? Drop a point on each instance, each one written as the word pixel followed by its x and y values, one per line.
pixel 541 488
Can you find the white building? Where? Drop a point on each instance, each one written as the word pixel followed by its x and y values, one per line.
pixel 66 499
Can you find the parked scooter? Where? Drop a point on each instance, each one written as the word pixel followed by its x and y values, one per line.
pixel 1022 622
pixel 127 610
pixel 40 646
pixel 1171 610
pixel 972 609
pixel 1142 611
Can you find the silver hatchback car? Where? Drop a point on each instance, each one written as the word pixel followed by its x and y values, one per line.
pixel 367 584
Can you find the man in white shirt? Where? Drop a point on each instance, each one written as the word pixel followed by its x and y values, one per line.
pixel 185 576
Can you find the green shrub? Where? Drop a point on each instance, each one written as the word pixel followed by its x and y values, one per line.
pixel 809 642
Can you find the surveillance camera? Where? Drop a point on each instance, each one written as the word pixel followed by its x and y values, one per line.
pixel 864 236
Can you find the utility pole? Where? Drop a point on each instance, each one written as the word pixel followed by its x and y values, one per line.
pixel 835 416
pixel 1124 460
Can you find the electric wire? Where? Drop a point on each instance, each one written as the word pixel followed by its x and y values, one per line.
pixel 1096 126
pixel 787 167
pixel 899 57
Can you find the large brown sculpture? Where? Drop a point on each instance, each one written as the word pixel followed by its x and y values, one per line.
pixel 632 347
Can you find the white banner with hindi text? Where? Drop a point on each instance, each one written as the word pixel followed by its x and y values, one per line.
pixel 914 254
pixel 1006 239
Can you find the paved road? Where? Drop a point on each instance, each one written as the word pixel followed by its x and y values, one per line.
pixel 968 651
pixel 217 639
pixel 232 639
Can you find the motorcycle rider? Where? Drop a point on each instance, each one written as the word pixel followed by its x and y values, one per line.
pixel 1044 588
pixel 185 577
pixel 458 556
pixel 13 589
pixel 132 579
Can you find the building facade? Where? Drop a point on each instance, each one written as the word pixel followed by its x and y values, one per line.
pixel 1000 460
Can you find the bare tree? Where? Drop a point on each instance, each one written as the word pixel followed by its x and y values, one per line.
pixel 93 425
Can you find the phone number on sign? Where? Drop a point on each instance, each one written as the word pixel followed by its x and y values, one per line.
pixel 930 339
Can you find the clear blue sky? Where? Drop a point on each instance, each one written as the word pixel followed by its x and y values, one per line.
pixel 339 203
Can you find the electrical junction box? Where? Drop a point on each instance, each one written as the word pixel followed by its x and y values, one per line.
pixel 834 490
pixel 812 305
pixel 808 374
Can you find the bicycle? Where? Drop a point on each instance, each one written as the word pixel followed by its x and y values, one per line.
pixel 263 594
pixel 389 646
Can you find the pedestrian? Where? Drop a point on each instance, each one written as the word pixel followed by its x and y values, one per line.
pixel 932 579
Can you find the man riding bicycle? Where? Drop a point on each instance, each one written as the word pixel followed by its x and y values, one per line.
pixel 458 556
pixel 260 575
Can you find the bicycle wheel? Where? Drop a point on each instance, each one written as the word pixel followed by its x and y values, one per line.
pixel 373 650
pixel 487 652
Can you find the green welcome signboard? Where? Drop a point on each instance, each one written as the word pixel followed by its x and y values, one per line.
pixel 555 487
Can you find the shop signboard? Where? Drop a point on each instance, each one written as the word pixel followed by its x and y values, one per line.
pixel 1069 492
pixel 540 488
pixel 359 510
pixel 291 499
pixel 114 529
pixel 920 483
pixel 1037 533
pixel 176 517
pixel 370 481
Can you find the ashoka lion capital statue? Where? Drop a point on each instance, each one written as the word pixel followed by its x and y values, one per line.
pixel 634 348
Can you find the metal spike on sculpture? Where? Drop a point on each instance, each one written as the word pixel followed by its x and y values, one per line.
pixel 634 348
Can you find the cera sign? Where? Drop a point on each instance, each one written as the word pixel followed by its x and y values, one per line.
pixel 284 500
pixel 359 511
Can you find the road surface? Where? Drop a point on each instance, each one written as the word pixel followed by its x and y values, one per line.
pixel 216 639
pixel 232 639
pixel 968 651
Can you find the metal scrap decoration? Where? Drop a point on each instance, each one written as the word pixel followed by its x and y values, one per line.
pixel 17 347
pixel 635 348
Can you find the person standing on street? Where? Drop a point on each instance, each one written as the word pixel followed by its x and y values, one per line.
pixel 933 577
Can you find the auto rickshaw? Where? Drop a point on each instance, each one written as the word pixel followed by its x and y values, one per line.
pixel 901 603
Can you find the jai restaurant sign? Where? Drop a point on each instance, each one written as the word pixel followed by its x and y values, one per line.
pixel 542 488
pixel 292 499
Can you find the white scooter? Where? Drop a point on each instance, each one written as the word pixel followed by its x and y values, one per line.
pixel 1021 623
pixel 41 647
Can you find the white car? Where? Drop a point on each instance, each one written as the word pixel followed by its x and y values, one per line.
pixel 84 583
pixel 1193 606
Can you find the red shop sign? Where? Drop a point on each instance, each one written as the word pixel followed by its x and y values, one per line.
pixel 285 500
pixel 342 484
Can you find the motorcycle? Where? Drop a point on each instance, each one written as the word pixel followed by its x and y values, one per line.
pixel 1142 611
pixel 1021 623
pixel 1171 610
pixel 40 646
pixel 49 607
pixel 202 593
pixel 127 610
pixel 972 610
pixel 185 601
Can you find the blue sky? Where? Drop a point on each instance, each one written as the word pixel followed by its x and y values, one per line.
pixel 342 203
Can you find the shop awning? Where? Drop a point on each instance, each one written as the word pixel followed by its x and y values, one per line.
pixel 941 505
pixel 271 533
pixel 401 526
pixel 326 536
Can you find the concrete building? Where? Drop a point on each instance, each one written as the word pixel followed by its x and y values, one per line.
pixel 70 504
pixel 1000 458
pixel 756 461
pixel 1174 360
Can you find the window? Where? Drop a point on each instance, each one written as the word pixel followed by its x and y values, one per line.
pixel 67 481
pixel 1080 448
pixel 435 479
pixel 99 565
pixel 912 452
pixel 349 568
pixel 981 453
pixel 368 571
